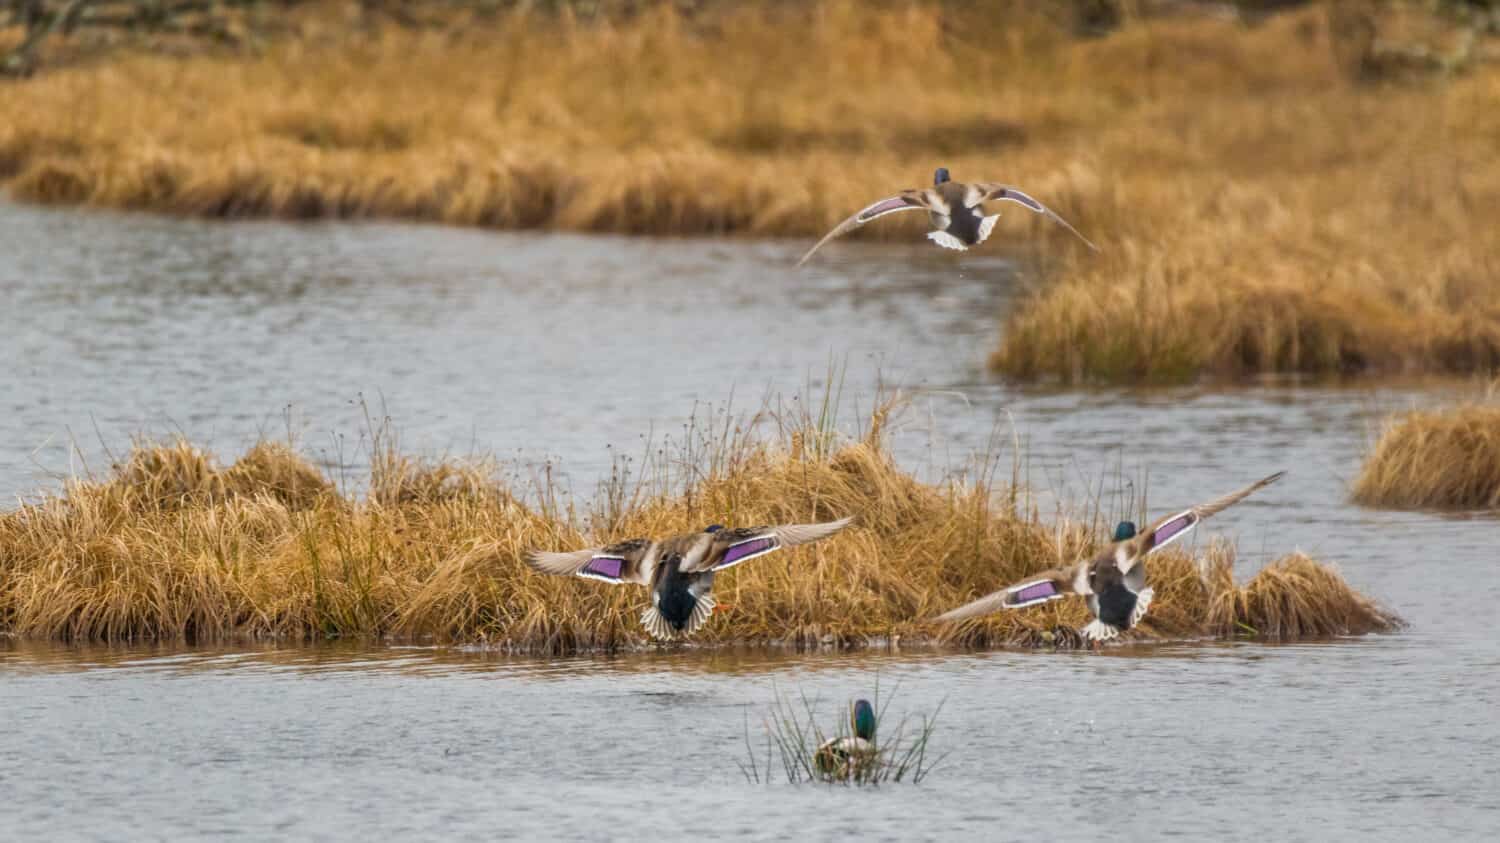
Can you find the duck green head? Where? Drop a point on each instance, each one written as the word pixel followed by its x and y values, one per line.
pixel 863 720
pixel 1124 531
pixel 940 176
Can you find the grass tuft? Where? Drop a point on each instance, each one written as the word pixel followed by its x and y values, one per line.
pixel 1293 598
pixel 1435 459
pixel 798 745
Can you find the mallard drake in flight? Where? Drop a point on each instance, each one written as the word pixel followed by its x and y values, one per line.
pixel 680 569
pixel 1114 581
pixel 955 209
pixel 840 757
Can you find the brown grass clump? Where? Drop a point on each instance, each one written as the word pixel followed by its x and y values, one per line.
pixel 172 547
pixel 179 475
pixel 1265 215
pixel 1293 598
pixel 1437 459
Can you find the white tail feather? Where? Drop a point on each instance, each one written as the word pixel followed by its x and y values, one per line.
pixel 986 225
pixel 946 240
pixel 658 628
pixel 656 625
pixel 702 611
pixel 1100 631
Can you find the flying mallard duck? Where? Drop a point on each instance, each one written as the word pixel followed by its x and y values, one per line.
pixel 839 757
pixel 680 570
pixel 1114 581
pixel 954 208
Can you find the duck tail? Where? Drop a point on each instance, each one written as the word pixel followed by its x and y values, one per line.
pixel 656 625
pixel 1142 603
pixel 661 630
pixel 1098 630
pixel 702 611
pixel 946 240
pixel 986 226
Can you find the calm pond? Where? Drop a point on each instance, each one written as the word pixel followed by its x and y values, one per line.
pixel 543 347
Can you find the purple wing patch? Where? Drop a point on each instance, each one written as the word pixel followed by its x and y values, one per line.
pixel 1034 593
pixel 1173 529
pixel 604 568
pixel 1020 198
pixel 884 206
pixel 745 550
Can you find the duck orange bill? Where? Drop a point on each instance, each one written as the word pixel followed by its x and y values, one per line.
pixel 722 607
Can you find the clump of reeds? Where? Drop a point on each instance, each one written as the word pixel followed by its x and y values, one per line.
pixel 172 546
pixel 1293 598
pixel 1250 225
pixel 798 745
pixel 1435 459
pixel 178 475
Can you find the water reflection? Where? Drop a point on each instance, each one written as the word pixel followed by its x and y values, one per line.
pixel 363 658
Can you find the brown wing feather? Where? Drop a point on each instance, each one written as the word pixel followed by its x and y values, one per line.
pixel 786 535
pixel 792 535
pixel 1217 505
pixel 914 200
pixel 993 191
pixel 1064 578
pixel 1145 541
pixel 569 563
pixel 1204 510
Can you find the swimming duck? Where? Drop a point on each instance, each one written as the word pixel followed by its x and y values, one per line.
pixel 840 756
pixel 954 208
pixel 1114 581
pixel 680 569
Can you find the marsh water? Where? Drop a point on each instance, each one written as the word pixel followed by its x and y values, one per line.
pixel 562 351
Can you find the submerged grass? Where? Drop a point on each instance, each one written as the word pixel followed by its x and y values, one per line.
pixel 1262 209
pixel 1435 459
pixel 173 546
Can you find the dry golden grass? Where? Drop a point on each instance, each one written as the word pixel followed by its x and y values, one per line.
pixel 1264 215
pixel 1435 459
pixel 654 123
pixel 1259 211
pixel 1293 598
pixel 173 546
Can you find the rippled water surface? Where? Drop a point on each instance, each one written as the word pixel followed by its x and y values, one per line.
pixel 554 347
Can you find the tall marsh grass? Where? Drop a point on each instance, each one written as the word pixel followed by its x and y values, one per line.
pixel 1266 215
pixel 1435 459
pixel 1261 209
pixel 173 545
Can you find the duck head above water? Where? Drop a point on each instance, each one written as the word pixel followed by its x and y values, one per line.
pixel 940 176
pixel 863 720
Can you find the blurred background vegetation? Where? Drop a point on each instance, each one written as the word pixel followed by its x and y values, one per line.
pixel 66 29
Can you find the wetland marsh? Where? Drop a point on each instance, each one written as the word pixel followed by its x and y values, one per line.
pixel 148 325
pixel 312 326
